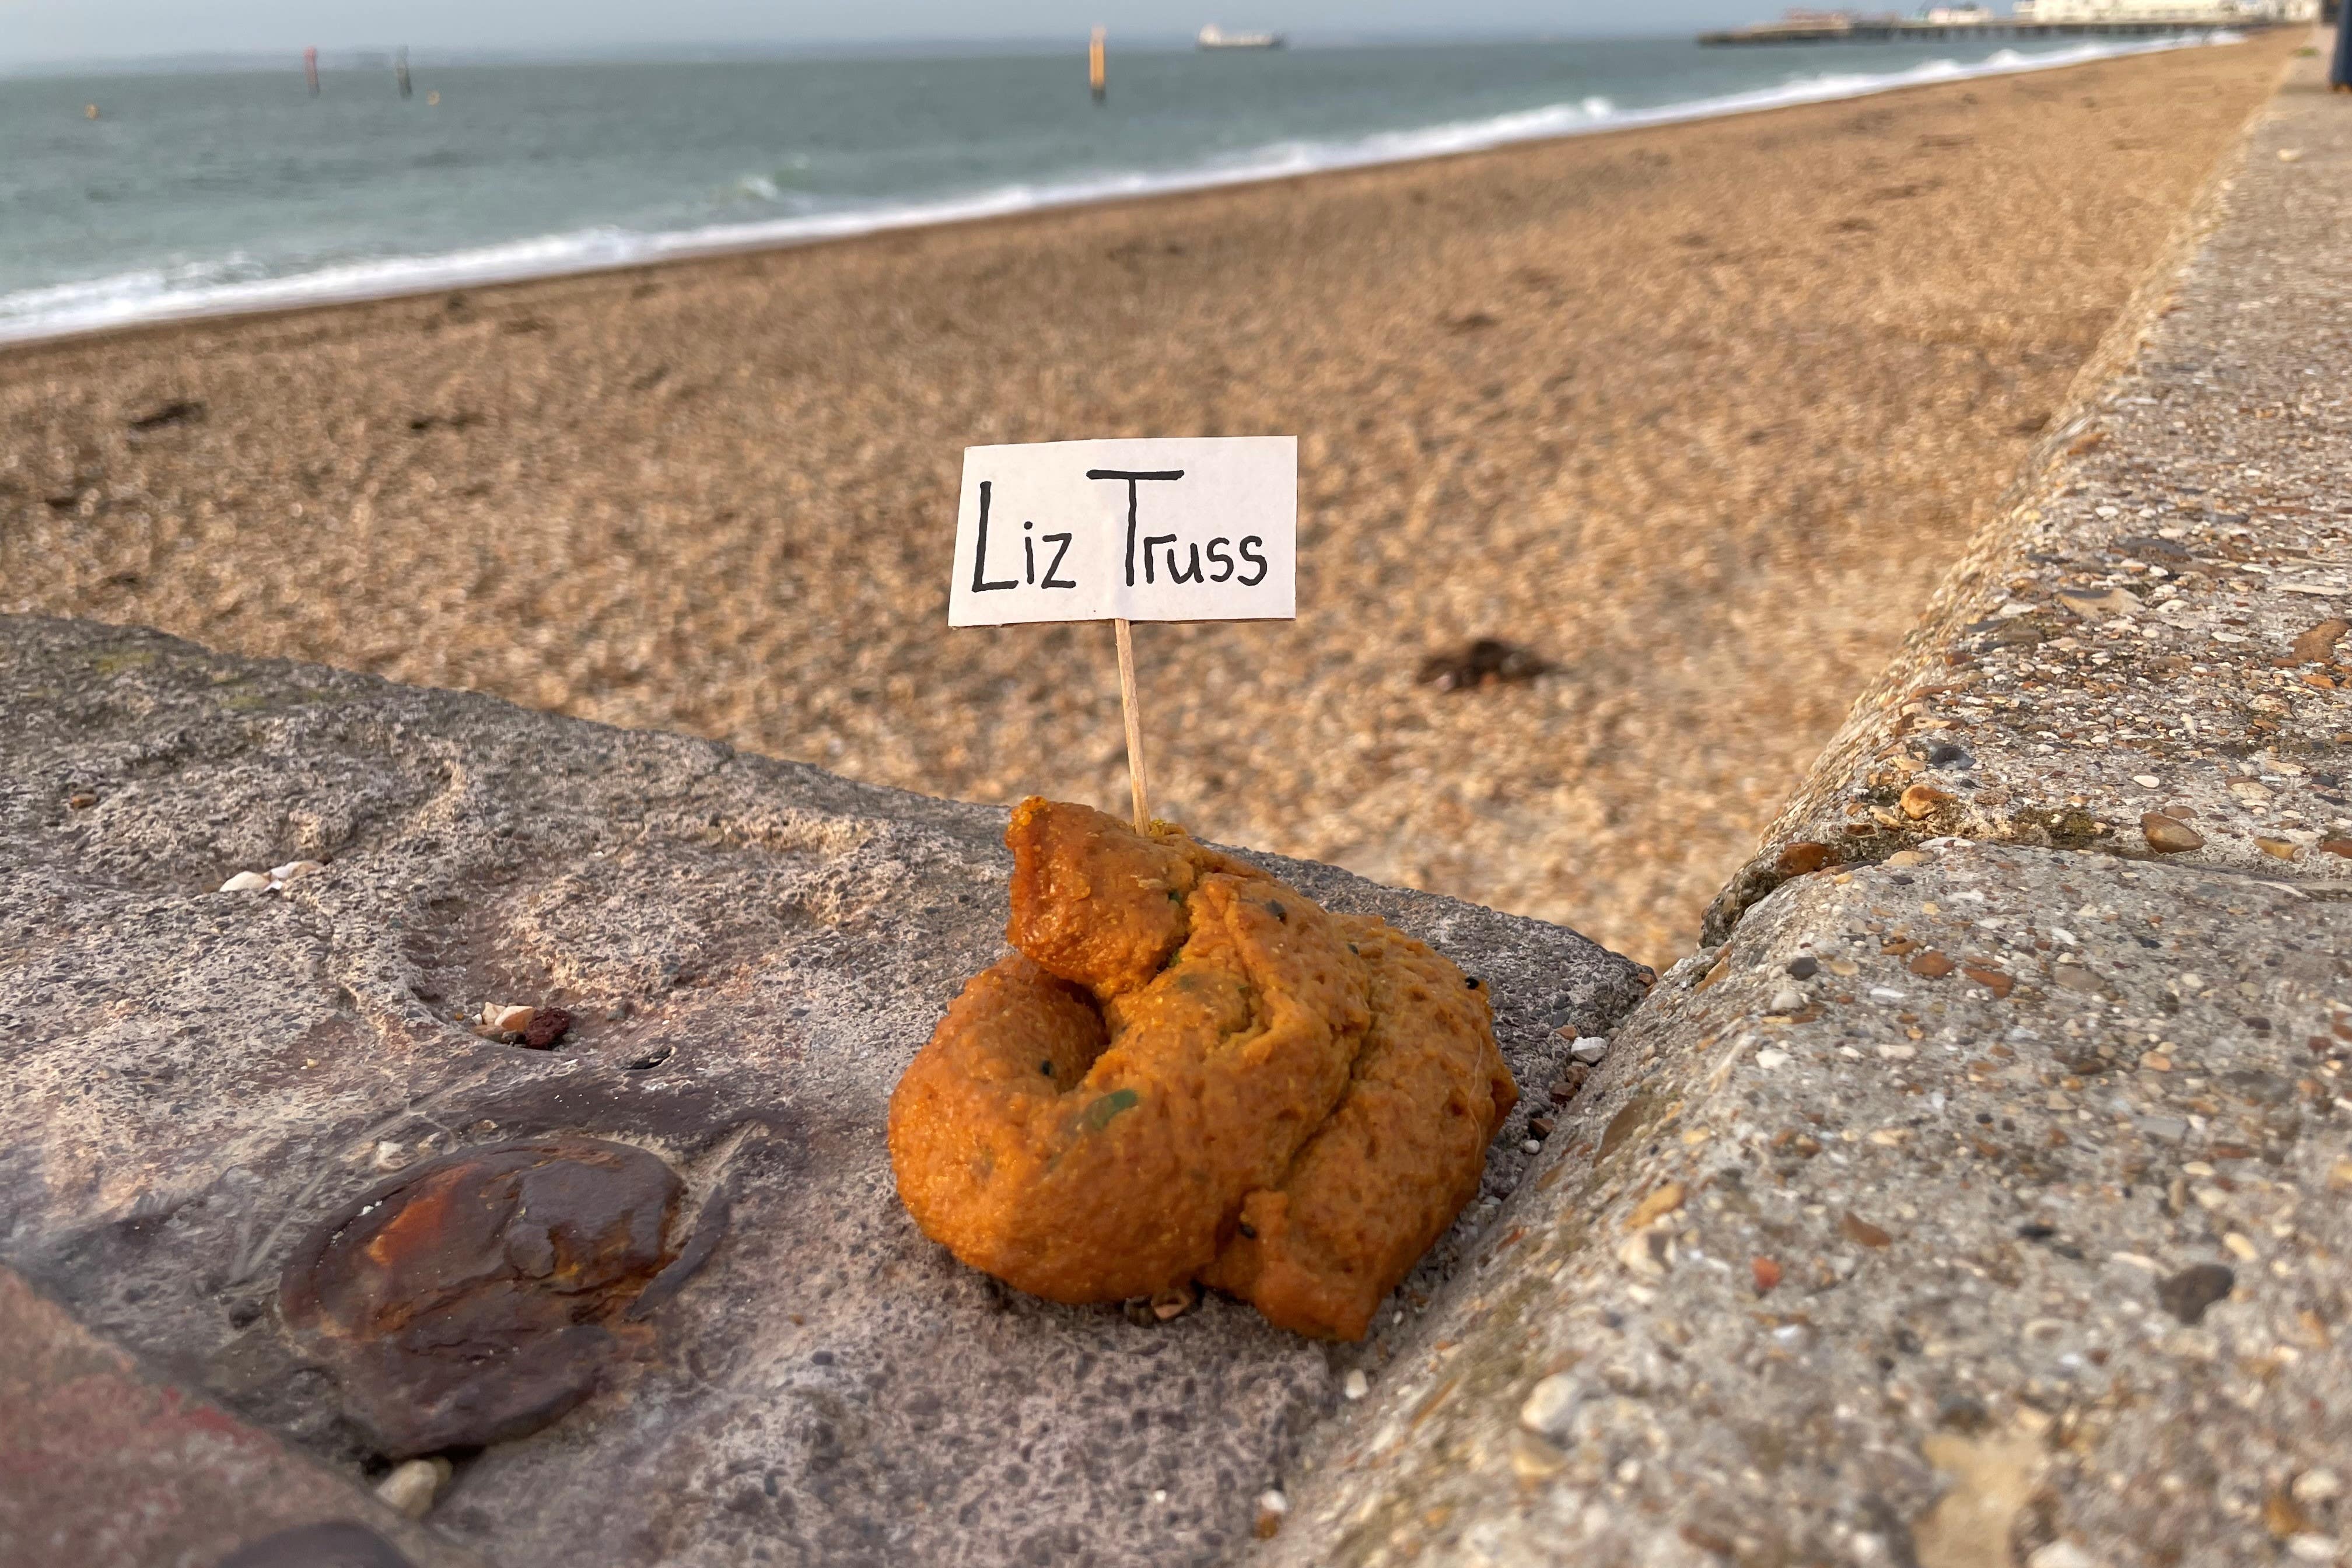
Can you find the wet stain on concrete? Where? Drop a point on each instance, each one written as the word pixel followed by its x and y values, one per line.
pixel 476 1298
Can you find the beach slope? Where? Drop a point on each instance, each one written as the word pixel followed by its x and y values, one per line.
pixel 1698 414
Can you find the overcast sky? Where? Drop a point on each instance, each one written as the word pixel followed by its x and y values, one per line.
pixel 51 30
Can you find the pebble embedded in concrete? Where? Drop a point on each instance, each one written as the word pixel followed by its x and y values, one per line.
pixel 2061 1555
pixel 410 1487
pixel 1548 1404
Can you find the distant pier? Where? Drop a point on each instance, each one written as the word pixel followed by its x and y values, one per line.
pixel 1901 30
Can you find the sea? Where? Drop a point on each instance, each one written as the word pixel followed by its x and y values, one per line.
pixel 150 195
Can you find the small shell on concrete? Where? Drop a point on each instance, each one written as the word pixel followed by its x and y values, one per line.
pixel 1174 1303
pixel 245 882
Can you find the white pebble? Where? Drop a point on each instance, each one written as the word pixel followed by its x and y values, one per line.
pixel 293 868
pixel 1640 1256
pixel 1356 1384
pixel 1544 1411
pixel 506 1018
pixel 2147 781
pixel 1788 999
pixel 245 882
pixel 2311 1547
pixel 1588 1050
pixel 1530 1146
pixel 2061 1555
pixel 2318 1486
pixel 411 1487
pixel 1768 1058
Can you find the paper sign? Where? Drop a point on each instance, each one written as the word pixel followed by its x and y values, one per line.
pixel 1201 529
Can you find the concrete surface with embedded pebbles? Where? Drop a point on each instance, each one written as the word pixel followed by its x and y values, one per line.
pixel 649 1286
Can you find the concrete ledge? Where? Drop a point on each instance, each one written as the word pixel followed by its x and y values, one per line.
pixel 2168 598
pixel 1981 1192
pixel 1899 1262
pixel 750 951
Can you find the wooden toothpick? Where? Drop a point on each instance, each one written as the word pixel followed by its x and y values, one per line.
pixel 1132 706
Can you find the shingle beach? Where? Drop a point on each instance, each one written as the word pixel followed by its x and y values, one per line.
pixel 1696 415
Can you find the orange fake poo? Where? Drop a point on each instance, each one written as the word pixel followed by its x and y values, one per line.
pixel 1191 1071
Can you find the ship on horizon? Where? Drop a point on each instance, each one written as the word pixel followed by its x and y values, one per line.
pixel 1215 38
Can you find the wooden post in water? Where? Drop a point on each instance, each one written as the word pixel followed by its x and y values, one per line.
pixel 1097 81
pixel 400 70
pixel 310 69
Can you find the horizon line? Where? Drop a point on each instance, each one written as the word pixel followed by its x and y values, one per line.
pixel 371 56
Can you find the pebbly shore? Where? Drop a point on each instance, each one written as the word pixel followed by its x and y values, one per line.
pixel 1695 415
